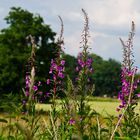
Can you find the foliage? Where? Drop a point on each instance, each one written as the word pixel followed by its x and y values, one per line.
pixel 70 64
pixel 107 77
pixel 14 50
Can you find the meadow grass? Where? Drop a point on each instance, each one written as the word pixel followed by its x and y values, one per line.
pixel 103 106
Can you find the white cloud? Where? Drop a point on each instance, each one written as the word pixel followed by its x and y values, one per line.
pixel 111 12
pixel 72 43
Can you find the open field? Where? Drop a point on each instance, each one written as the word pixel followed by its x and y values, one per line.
pixel 103 106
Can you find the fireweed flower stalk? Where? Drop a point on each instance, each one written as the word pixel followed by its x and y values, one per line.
pixel 57 74
pixel 127 95
pixel 56 82
pixel 128 72
pixel 57 67
pixel 30 88
pixel 84 70
pixel 84 67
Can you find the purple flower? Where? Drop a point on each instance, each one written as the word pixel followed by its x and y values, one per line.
pixel 47 94
pixel 130 73
pixel 61 75
pixel 50 71
pixel 138 95
pixel 59 68
pixel 27 93
pixel 135 85
pixel 89 62
pixel 27 81
pixel 23 102
pixel 48 81
pixel 35 88
pixel 39 83
pixel 90 70
pixel 56 71
pixel 81 63
pixel 62 62
pixel 54 77
pixel 72 121
pixel 52 61
pixel 77 68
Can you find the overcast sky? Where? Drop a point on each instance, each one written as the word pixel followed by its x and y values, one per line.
pixel 108 19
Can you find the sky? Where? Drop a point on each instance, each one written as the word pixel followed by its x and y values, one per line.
pixel 108 21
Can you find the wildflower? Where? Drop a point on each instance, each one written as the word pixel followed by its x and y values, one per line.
pixel 27 80
pixel 26 93
pixel 61 75
pixel 50 71
pixel 62 62
pixel 47 94
pixel 54 77
pixel 48 81
pixel 23 102
pixel 81 62
pixel 89 62
pixel 35 88
pixel 138 95
pixel 77 68
pixel 91 70
pixel 72 121
pixel 39 83
pixel 128 72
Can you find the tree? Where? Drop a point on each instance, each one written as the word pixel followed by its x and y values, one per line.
pixel 14 50
pixel 70 66
pixel 106 76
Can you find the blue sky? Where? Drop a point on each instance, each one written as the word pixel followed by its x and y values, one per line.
pixel 108 19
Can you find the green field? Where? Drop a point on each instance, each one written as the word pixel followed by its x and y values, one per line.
pixel 103 106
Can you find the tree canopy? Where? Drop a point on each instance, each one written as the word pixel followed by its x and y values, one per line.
pixel 106 76
pixel 15 50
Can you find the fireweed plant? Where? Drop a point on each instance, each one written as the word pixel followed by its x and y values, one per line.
pixel 30 88
pixel 57 70
pixel 127 95
pixel 56 73
pixel 75 110
pixel 84 70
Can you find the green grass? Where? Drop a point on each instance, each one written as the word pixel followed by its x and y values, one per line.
pixel 103 106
